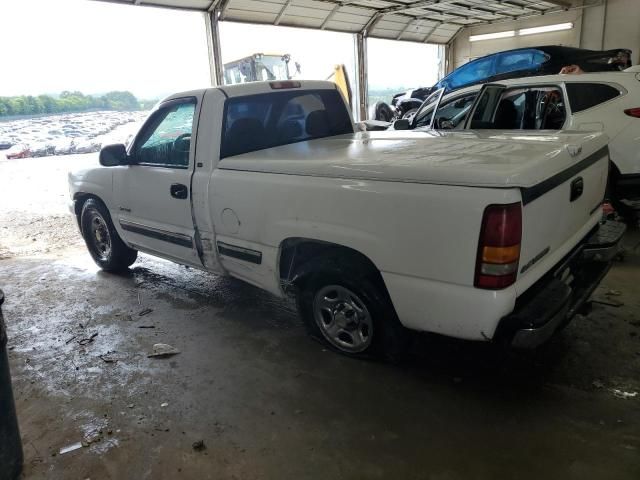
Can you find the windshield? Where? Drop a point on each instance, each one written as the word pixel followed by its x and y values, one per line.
pixel 272 67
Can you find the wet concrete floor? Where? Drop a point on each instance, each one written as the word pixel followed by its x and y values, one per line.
pixel 270 403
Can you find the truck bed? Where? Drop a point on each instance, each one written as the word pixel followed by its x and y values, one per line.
pixel 470 158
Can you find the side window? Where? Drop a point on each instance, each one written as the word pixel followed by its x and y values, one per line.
pixel 262 121
pixel 524 108
pixel 166 140
pixel 484 106
pixel 586 95
pixel 425 112
pixel 472 72
pixel 454 111
pixel 520 60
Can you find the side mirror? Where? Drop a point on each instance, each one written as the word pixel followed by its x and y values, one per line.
pixel 402 124
pixel 113 155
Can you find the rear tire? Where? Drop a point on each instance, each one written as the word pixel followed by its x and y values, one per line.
pixel 382 111
pixel 103 242
pixel 351 314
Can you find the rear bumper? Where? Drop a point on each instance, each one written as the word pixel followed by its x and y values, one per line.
pixel 555 299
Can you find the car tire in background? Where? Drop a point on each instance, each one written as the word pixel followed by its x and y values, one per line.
pixel 409 113
pixel 103 242
pixel 382 111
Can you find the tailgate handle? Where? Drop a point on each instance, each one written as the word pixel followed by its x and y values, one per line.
pixel 577 187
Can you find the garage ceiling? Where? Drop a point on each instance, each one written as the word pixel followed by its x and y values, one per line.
pixel 430 21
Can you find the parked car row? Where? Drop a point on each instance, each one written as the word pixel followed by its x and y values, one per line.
pixel 516 63
pixel 64 134
pixel 606 101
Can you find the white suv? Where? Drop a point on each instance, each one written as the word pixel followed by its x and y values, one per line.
pixel 605 101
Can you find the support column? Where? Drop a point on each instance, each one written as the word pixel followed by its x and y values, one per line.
pixel 362 90
pixel 443 55
pixel 213 43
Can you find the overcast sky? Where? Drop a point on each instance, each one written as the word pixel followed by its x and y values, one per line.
pixel 48 46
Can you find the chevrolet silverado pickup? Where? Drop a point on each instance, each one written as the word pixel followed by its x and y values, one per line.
pixel 481 235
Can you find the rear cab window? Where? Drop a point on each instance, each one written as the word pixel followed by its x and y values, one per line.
pixel 257 122
pixel 583 96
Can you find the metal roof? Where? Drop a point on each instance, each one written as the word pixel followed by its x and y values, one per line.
pixel 430 21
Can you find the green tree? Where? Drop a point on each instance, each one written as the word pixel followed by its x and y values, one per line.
pixel 70 101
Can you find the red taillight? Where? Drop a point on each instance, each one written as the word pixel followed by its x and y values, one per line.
pixel 284 84
pixel 633 112
pixel 499 246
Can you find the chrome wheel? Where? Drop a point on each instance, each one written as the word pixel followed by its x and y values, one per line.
pixel 100 236
pixel 343 318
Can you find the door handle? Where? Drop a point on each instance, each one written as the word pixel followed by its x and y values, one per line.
pixel 577 187
pixel 179 190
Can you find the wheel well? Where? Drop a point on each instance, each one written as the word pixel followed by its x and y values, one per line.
pixel 80 199
pixel 612 182
pixel 300 257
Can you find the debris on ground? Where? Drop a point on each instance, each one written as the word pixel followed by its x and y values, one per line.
pixel 163 350
pixel 597 384
pixel 93 437
pixel 613 293
pixel 88 340
pixel 623 394
pixel 199 446
pixel 609 302
pixel 108 357
pixel 146 326
pixel 71 339
pixel 70 448
pixel 144 312
pixel 165 404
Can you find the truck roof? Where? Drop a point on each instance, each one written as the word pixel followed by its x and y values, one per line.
pixel 255 88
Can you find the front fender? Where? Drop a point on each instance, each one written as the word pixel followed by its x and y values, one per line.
pixel 94 181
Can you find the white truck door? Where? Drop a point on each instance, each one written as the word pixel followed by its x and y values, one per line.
pixel 153 193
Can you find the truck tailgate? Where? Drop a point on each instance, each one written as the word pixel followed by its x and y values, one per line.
pixel 559 212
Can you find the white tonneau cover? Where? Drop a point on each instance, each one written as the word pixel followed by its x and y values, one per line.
pixel 470 158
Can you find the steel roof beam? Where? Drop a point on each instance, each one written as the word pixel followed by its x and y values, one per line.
pixel 430 32
pixel 370 25
pixel 330 16
pixel 406 27
pixel 281 14
pixel 560 3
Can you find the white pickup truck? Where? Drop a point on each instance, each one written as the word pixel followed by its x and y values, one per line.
pixel 477 235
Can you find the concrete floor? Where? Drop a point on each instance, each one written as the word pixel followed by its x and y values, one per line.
pixel 270 403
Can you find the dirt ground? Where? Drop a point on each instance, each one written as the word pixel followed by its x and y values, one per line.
pixel 268 402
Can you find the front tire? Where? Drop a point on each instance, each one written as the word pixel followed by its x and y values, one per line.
pixel 103 242
pixel 352 315
pixel 409 113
